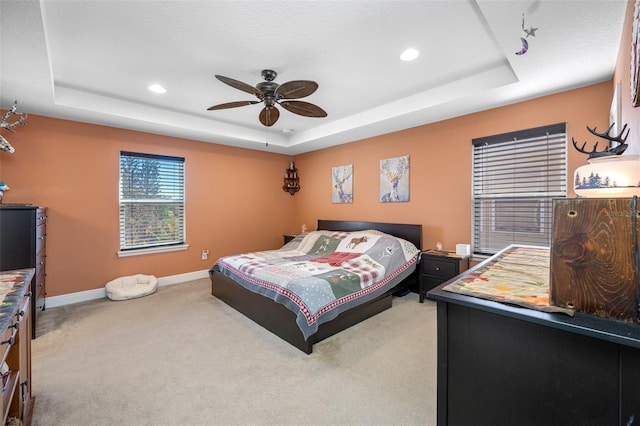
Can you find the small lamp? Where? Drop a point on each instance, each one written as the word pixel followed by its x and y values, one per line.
pixel 609 174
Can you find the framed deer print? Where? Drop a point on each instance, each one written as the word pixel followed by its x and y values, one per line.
pixel 394 180
pixel 342 184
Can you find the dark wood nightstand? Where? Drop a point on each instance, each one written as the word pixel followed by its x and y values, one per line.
pixel 438 267
pixel 288 237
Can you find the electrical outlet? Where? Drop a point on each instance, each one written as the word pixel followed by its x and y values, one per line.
pixel 205 254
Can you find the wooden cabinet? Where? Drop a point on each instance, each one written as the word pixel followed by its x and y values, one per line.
pixel 438 267
pixel 15 348
pixel 23 245
pixel 501 364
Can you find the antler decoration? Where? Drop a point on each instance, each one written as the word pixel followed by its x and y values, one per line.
pixel 5 124
pixel 610 150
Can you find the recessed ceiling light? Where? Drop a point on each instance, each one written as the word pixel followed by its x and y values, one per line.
pixel 156 88
pixel 410 54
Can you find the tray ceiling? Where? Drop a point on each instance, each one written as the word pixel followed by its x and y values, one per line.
pixel 92 61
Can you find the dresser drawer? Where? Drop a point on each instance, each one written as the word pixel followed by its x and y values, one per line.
pixel 41 216
pixel 428 282
pixel 39 298
pixel 40 276
pixel 438 268
pixel 38 289
pixel 40 242
pixel 6 340
pixel 40 262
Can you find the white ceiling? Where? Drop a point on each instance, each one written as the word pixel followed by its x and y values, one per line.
pixel 92 61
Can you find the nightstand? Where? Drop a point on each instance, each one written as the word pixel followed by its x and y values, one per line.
pixel 288 237
pixel 438 267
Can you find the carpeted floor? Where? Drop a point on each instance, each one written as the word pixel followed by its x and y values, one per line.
pixel 182 357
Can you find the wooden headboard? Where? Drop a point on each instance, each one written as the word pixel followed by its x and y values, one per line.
pixel 411 233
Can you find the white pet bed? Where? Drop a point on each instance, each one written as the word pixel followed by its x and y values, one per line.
pixel 130 287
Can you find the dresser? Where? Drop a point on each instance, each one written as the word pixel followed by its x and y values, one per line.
pixel 437 267
pixel 15 347
pixel 502 364
pixel 23 245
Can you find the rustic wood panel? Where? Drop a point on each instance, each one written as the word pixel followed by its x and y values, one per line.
pixel 593 268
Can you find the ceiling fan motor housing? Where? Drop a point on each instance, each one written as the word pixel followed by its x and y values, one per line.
pixel 268 89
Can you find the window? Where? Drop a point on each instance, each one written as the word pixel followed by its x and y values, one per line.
pixel 151 201
pixel 515 178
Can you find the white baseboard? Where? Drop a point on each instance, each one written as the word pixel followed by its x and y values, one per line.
pixel 100 293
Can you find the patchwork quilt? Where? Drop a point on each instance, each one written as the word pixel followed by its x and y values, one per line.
pixel 320 274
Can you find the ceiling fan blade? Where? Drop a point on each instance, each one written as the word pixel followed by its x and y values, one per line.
pixel 303 108
pixel 232 105
pixel 240 85
pixel 296 89
pixel 269 116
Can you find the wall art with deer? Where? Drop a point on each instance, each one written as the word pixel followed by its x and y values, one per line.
pixel 342 184
pixel 394 179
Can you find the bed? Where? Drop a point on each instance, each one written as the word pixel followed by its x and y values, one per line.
pixel 273 308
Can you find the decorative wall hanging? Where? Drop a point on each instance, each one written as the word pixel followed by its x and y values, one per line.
pixel 342 184
pixel 5 124
pixel 525 35
pixel 394 179
pixel 291 179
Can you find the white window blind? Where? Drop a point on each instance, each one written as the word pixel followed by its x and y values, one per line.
pixel 515 177
pixel 151 200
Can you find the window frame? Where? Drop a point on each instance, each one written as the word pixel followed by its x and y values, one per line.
pixel 172 182
pixel 507 167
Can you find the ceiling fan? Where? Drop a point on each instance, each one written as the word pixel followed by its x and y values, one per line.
pixel 272 93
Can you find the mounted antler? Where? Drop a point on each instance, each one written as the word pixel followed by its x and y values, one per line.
pixel 5 124
pixel 610 150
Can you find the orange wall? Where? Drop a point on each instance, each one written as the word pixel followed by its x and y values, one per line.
pixel 630 115
pixel 234 199
pixel 440 164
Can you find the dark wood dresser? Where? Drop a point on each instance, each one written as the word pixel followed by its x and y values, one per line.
pixel 23 245
pixel 501 364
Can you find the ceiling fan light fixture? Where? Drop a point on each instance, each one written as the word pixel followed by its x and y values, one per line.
pixel 409 54
pixel 273 94
pixel 156 88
